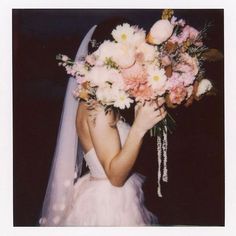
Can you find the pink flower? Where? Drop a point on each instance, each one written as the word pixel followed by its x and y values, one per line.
pixel 174 81
pixel 177 94
pixel 187 33
pixel 187 64
pixel 193 33
pixel 134 76
pixel 142 93
pixel 188 78
pixel 135 79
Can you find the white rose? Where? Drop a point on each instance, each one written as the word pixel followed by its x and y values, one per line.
pixel 160 32
pixel 122 54
pixel 100 76
pixel 148 51
pixel 104 51
pixel 106 95
pixel 204 86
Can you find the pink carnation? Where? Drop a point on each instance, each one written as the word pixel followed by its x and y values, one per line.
pixel 177 94
pixel 135 79
pixel 134 76
pixel 142 93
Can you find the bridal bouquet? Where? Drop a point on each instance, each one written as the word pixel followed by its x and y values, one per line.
pixel 137 66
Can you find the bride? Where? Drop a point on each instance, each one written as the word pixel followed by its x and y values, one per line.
pixel 110 194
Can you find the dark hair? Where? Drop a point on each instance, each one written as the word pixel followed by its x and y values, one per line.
pixel 103 31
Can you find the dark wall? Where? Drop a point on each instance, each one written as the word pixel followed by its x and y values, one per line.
pixel 195 192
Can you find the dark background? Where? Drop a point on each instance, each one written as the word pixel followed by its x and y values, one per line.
pixel 194 194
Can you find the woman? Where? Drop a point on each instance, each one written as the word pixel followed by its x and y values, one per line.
pixel 110 195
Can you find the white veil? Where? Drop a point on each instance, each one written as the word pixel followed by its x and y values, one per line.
pixel 68 156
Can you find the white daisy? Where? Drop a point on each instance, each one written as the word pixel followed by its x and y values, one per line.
pixel 157 79
pixel 123 33
pixel 122 100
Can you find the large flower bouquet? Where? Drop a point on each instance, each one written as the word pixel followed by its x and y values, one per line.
pixel 138 67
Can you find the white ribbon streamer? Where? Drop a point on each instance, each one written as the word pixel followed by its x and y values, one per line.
pixel 162 145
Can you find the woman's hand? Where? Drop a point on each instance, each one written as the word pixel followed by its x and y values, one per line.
pixel 148 114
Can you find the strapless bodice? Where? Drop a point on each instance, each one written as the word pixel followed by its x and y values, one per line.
pixel 92 161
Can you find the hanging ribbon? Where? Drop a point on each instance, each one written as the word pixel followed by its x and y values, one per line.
pixel 162 145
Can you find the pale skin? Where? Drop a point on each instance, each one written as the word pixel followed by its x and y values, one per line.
pixel 117 161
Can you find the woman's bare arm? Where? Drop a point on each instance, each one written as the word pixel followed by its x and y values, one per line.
pixel 117 161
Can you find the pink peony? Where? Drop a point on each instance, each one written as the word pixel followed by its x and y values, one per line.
pixel 177 94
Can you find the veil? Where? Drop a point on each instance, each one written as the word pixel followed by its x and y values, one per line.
pixel 68 156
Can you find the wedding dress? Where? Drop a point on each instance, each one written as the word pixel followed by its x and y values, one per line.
pixel 96 202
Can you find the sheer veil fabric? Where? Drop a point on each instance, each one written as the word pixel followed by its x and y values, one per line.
pixel 68 156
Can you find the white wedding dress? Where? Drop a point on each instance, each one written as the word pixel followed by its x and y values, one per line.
pixel 96 202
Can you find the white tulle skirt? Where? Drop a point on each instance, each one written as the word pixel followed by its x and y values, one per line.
pixel 99 203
